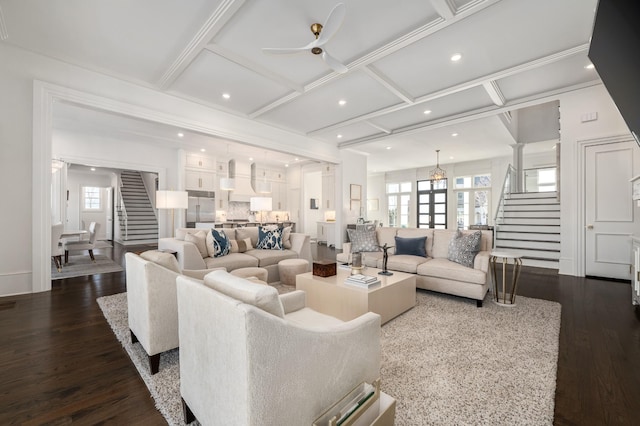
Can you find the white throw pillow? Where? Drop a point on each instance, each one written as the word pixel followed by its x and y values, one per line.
pixel 200 240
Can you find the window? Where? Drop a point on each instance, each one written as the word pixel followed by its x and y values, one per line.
pixel 473 201
pixel 91 198
pixel 399 198
pixel 540 180
pixel 432 204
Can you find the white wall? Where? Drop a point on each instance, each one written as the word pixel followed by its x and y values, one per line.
pixel 18 72
pixel 312 189
pixel 75 215
pixel 352 170
pixel 376 189
pixel 609 123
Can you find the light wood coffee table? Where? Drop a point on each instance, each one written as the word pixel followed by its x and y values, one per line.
pixel 394 295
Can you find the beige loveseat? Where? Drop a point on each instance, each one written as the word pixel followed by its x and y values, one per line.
pixel 296 246
pixel 434 272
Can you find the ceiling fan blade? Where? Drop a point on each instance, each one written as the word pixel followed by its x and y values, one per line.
pixel 285 50
pixel 334 63
pixel 332 24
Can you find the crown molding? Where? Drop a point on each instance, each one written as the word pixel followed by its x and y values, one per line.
pixel 223 13
pixel 445 8
pixel 375 126
pixel 3 26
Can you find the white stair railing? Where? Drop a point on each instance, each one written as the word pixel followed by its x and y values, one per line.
pixel 123 210
pixel 507 184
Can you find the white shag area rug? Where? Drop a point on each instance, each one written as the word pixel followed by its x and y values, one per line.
pixel 445 361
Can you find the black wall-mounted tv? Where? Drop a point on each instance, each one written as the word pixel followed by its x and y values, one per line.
pixel 615 52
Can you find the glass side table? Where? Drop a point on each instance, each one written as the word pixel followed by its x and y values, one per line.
pixel 508 295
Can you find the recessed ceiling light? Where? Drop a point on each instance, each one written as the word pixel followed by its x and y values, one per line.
pixel 388 147
pixel 342 102
pixel 226 95
pixel 202 150
pixel 589 67
pixel 456 57
pixel 297 159
pixel 427 112
pixel 250 158
pixel 93 169
pixel 286 165
pixel 451 158
pixel 180 135
pixel 454 134
pixel 339 136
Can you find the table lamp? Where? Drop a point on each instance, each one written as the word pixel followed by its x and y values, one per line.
pixel 260 204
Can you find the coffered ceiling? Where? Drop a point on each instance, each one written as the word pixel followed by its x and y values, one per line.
pixel 514 54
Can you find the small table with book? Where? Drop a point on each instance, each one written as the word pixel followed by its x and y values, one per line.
pixel 388 296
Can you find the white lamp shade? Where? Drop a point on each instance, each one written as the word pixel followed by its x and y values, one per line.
pixel 172 200
pixel 260 204
pixel 263 187
pixel 330 216
pixel 227 184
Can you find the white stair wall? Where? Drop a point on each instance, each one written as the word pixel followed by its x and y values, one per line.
pixel 530 227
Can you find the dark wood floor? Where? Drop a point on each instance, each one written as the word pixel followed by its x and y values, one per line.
pixel 60 362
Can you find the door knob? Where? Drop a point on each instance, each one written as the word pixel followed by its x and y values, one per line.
pixel 589 226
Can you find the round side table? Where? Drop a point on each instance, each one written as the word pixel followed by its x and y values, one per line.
pixel 508 294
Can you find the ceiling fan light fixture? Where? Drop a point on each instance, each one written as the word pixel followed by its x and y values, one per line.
pixel 437 173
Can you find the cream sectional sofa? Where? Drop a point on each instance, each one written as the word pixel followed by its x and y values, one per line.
pixel 190 257
pixel 434 272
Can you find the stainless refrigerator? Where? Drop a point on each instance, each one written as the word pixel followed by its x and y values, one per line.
pixel 202 207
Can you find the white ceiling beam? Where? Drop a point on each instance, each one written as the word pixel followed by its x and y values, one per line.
pixel 374 73
pixel 223 13
pixel 476 114
pixel 378 127
pixel 3 27
pixel 460 87
pixel 254 67
pixel 494 92
pixel 389 48
pixel 445 8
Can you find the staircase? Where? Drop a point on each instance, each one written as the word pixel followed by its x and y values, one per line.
pixel 137 218
pixel 530 226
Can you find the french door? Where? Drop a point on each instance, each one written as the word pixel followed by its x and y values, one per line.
pixel 432 204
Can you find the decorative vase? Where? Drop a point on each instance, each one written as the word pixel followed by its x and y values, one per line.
pixel 356 263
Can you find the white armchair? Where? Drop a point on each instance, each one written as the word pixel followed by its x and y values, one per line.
pixel 251 357
pixel 152 303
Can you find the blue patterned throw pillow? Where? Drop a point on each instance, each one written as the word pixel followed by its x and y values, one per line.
pixel 221 244
pixel 270 238
pixel 463 248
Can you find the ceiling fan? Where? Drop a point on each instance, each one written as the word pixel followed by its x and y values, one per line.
pixel 330 27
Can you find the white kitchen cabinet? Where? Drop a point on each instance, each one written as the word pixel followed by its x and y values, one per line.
pixel 200 180
pixel 195 161
pixel 328 187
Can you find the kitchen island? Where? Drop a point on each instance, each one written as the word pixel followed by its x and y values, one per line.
pixel 242 224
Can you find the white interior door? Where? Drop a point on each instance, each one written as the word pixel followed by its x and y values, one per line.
pixel 609 208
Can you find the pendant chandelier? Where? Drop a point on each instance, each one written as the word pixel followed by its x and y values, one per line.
pixel 438 173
